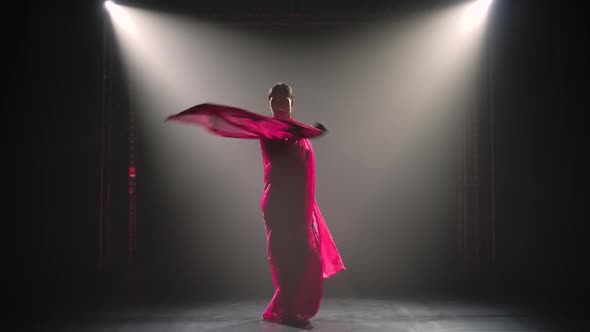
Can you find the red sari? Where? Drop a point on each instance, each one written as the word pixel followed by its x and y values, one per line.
pixel 300 249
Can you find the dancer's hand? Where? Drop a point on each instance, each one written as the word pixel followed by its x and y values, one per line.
pixel 320 127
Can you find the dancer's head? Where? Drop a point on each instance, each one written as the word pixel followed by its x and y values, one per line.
pixel 280 101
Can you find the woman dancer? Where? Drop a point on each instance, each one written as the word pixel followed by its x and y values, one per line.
pixel 300 249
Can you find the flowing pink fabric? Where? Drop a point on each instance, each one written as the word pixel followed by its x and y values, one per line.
pixel 301 251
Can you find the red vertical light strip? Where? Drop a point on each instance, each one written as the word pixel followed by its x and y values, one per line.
pixel 131 212
pixel 131 224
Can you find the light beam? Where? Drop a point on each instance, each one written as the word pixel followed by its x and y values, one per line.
pixel 475 13
pixel 120 16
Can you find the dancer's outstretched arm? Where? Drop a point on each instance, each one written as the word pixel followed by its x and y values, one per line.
pixel 235 122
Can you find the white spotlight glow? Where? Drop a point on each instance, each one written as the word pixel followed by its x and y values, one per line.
pixel 109 4
pixel 120 16
pixel 475 13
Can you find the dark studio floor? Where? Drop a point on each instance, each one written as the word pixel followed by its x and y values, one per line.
pixel 335 315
